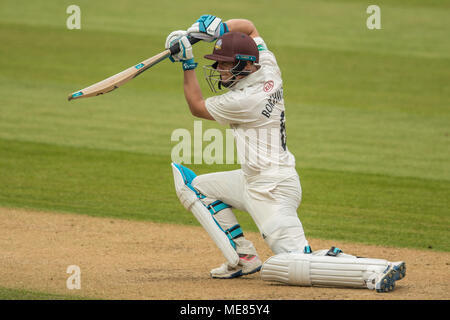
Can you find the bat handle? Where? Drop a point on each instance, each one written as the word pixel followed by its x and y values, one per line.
pixel 176 47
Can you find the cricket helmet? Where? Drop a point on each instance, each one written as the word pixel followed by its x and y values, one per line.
pixel 234 47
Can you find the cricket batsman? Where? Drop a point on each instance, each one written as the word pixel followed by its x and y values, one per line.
pixel 267 186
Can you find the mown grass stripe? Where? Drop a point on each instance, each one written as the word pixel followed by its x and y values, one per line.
pixel 22 294
pixel 367 208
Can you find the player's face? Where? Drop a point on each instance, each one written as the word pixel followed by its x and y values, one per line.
pixel 224 69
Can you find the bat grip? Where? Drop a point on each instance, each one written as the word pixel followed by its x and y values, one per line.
pixel 176 47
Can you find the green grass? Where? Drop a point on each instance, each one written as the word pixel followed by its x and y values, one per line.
pixel 367 208
pixel 20 294
pixel 368 112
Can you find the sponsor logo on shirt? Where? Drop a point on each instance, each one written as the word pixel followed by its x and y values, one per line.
pixel 268 85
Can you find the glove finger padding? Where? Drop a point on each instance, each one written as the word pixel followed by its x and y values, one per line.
pixel 171 39
pixel 208 28
pixel 193 31
pixel 185 49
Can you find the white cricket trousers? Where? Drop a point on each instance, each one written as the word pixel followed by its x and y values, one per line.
pixel 271 200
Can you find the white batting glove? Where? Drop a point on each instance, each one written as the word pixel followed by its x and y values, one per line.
pixel 185 46
pixel 208 28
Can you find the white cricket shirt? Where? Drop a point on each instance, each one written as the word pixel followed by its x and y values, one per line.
pixel 254 109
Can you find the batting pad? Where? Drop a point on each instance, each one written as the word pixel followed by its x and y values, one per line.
pixel 318 269
pixel 189 197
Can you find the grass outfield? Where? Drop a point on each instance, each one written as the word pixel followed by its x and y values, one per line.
pixel 18 294
pixel 368 112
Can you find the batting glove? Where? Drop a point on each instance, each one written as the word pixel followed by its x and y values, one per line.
pixel 208 28
pixel 185 46
pixel 185 56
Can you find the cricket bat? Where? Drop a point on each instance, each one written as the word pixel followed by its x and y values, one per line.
pixel 123 77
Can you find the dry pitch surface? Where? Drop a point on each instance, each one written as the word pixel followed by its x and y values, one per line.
pixel 121 259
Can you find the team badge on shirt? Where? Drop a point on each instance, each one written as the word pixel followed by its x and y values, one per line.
pixel 268 85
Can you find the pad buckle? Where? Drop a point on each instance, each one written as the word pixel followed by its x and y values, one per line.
pixel 333 252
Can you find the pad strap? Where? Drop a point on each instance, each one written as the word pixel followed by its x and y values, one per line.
pixel 217 206
pixel 231 233
pixel 234 232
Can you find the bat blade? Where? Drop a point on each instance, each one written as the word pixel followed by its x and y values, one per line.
pixel 118 79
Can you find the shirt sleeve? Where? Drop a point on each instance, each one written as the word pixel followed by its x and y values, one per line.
pixel 228 109
pixel 266 57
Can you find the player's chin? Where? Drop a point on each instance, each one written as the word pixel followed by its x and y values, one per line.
pixel 226 84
